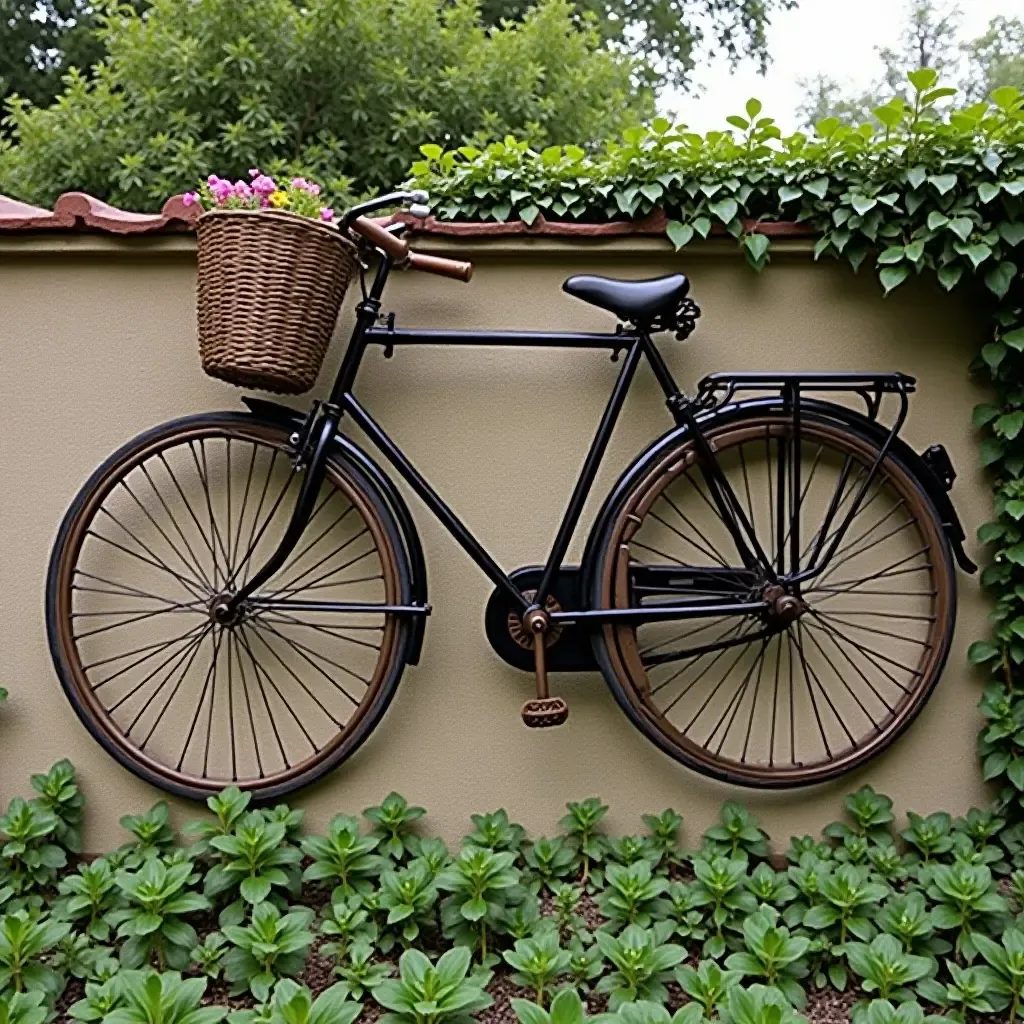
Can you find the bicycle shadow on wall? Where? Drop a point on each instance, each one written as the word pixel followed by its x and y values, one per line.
pixel 768 589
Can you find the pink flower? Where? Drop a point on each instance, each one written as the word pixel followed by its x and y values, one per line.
pixel 312 189
pixel 264 185
pixel 254 172
pixel 212 180
pixel 242 189
pixel 190 198
pixel 298 183
pixel 222 190
pixel 326 214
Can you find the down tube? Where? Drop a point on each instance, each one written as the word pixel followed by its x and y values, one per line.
pixel 448 519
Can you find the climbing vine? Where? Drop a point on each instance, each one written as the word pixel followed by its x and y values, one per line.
pixel 929 188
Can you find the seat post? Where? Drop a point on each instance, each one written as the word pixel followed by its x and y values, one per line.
pixel 674 398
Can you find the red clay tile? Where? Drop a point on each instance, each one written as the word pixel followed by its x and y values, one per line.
pixel 77 210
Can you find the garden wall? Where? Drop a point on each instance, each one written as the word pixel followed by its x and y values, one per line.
pixel 97 343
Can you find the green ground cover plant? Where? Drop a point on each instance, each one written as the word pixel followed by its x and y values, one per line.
pixel 666 928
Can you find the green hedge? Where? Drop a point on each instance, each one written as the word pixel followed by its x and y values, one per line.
pixel 925 190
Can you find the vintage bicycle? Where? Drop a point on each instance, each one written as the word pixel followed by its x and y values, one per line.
pixel 768 590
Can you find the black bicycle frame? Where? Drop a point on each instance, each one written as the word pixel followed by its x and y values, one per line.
pixel 323 423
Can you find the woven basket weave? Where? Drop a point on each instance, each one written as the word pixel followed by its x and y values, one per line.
pixel 269 289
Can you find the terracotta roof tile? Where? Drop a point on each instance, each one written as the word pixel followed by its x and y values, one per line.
pixel 79 211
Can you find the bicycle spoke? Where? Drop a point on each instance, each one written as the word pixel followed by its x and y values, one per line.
pixel 211 674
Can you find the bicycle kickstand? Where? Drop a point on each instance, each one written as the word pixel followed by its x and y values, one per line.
pixel 545 711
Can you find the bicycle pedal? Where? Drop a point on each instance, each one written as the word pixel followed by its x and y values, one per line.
pixel 545 713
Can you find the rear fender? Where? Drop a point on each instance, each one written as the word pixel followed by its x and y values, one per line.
pixel 291 419
pixel 871 431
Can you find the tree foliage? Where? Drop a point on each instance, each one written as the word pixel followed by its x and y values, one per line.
pixel 340 90
pixel 929 39
pixel 673 32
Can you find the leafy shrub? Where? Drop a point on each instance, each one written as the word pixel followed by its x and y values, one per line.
pixel 642 962
pixel 88 897
pixel 359 975
pixel 538 962
pixel 773 954
pixel 254 859
pixel 393 822
pixel 427 993
pixel 410 897
pixel 343 855
pixel 24 940
pixel 479 881
pixel 147 997
pixel 153 922
pixel 271 947
pixel 22 1007
pixel 30 857
pixel 59 794
pixel 633 894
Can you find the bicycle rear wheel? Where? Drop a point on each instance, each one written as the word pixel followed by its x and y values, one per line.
pixel 273 700
pixel 748 698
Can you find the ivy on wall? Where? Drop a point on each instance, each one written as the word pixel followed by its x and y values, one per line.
pixel 927 189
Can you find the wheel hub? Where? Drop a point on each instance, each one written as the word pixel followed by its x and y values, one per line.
pixel 784 608
pixel 223 613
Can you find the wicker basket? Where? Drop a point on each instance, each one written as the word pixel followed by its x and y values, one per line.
pixel 269 289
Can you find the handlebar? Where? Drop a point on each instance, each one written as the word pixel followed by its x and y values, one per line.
pixel 397 248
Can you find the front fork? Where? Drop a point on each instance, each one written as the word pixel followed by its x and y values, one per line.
pixel 319 435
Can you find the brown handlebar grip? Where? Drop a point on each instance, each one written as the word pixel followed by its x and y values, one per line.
pixel 439 265
pixel 394 246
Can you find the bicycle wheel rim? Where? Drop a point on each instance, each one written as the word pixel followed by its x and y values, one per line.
pixel 293 771
pixel 628 676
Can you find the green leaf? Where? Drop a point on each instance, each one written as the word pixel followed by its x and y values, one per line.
pixel 1015 772
pixel 949 274
pixel 725 209
pixel 757 248
pixel 978 253
pixel 987 191
pixel 753 108
pixel 916 175
pixel 787 193
pixel 1009 425
pixel 863 204
pixel 936 220
pixel 1012 232
pixel 894 254
pixel 528 214
pixel 1000 277
pixel 1015 339
pixel 962 227
pixel 817 187
pixel 943 183
pixel 893 276
pixel 679 234
pixel 922 79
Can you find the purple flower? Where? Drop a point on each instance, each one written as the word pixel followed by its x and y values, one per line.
pixel 264 185
pixel 326 214
pixel 190 198
pixel 254 172
pixel 298 183
pixel 312 189
pixel 242 189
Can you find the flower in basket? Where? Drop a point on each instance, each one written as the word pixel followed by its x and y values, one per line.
pixel 261 192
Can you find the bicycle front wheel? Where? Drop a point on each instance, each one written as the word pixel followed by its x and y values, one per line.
pixel 747 698
pixel 271 700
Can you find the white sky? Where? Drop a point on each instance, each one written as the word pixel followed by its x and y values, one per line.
pixel 837 37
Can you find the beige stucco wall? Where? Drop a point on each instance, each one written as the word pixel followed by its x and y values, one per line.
pixel 97 343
